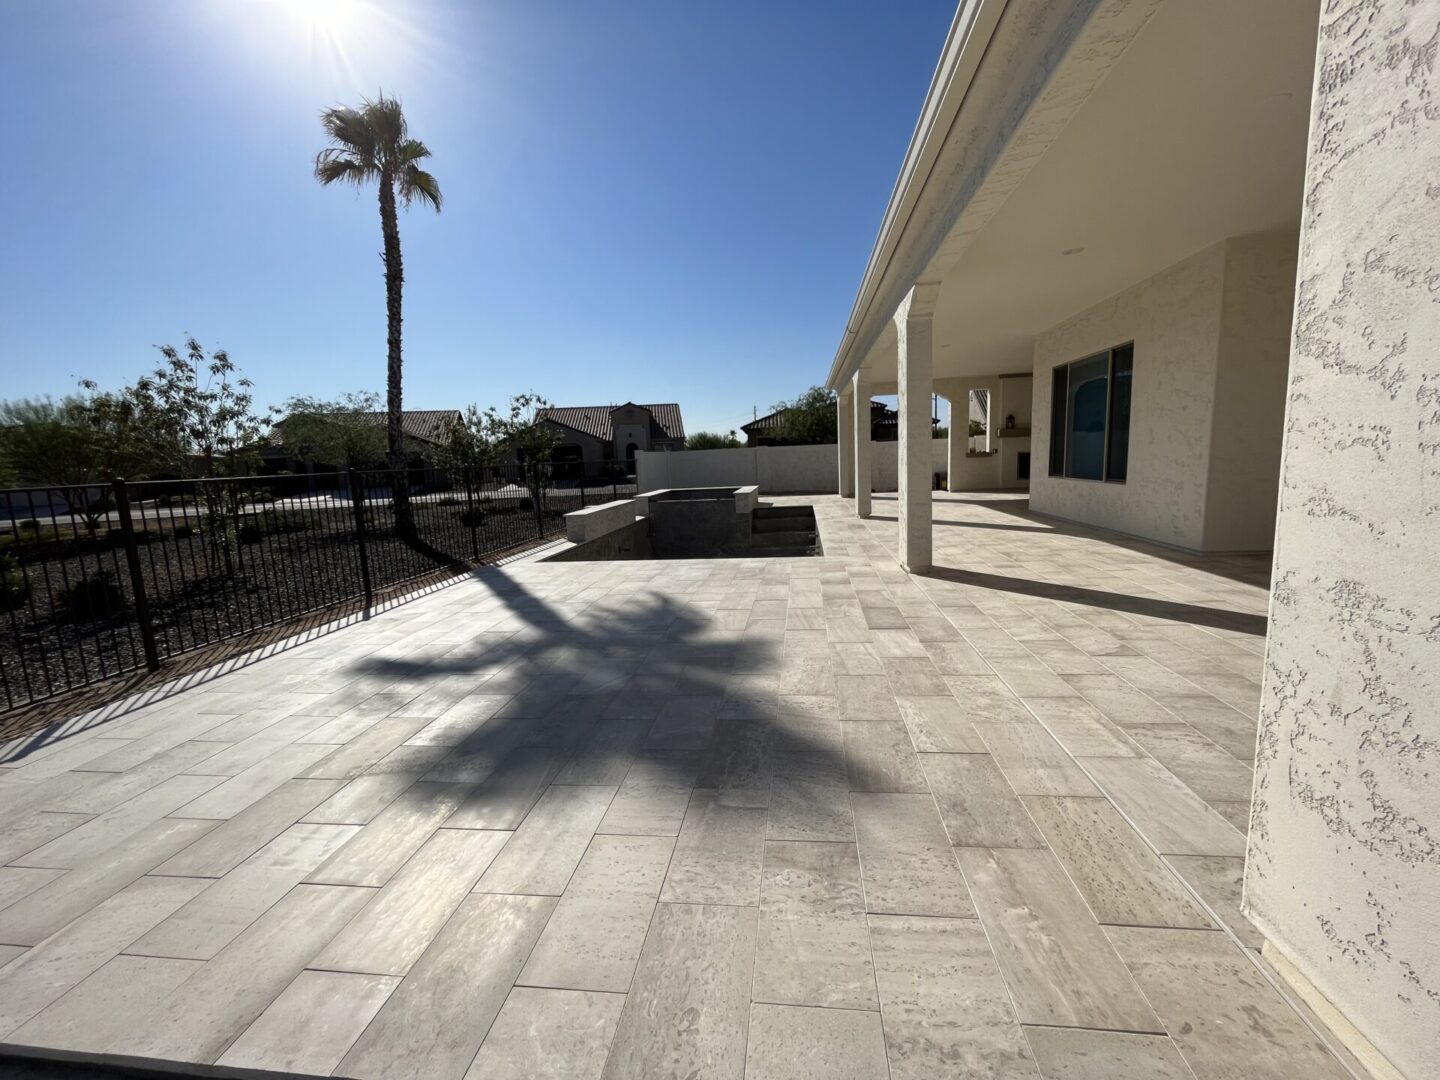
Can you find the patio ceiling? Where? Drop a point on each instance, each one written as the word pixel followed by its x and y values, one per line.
pixel 1197 133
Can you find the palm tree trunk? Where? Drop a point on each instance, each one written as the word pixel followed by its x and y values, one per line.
pixel 394 288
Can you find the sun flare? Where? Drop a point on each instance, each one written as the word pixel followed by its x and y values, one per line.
pixel 328 17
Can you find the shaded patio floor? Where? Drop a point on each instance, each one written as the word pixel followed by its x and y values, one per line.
pixel 729 818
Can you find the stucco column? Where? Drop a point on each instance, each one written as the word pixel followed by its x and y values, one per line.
pixel 845 441
pixel 860 422
pixel 915 376
pixel 958 441
pixel 1343 872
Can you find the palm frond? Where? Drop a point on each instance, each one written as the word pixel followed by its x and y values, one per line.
pixel 386 121
pixel 334 165
pixel 411 150
pixel 373 143
pixel 417 185
pixel 349 129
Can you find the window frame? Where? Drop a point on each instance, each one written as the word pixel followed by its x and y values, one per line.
pixel 1060 463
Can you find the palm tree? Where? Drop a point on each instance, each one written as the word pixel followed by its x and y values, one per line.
pixel 373 143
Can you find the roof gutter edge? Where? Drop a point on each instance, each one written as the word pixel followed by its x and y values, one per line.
pixel 965 44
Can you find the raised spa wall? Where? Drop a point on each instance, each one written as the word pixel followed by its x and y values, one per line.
pixel 676 523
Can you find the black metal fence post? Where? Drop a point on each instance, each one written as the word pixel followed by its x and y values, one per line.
pixel 470 518
pixel 357 500
pixel 137 579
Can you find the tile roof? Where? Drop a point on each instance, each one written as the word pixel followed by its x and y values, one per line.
pixel 880 413
pixel 594 420
pixel 424 425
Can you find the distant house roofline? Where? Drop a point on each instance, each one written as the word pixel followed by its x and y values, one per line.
pixel 597 421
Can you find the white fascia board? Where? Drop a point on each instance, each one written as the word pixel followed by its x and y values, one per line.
pixel 965 45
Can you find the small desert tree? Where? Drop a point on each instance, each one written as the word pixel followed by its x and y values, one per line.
pixel 342 432
pixel 79 444
pixel 204 409
pixel 205 414
pixel 810 418
pixel 521 429
pixel 710 440
pixel 467 450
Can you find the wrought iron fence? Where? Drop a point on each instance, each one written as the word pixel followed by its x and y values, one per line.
pixel 101 580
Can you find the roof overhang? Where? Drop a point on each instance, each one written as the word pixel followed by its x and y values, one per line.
pixel 1010 76
pixel 1070 149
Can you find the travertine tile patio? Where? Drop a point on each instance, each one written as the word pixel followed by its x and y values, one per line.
pixel 712 818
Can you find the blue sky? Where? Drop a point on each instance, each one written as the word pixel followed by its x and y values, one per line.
pixel 654 201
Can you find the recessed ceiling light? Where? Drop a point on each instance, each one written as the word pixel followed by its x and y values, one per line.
pixel 1072 251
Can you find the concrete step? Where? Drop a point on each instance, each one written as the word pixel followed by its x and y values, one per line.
pixel 788 523
pixel 786 552
pixel 784 512
pixel 788 538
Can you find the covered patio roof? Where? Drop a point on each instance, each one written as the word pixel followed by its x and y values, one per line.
pixel 1060 160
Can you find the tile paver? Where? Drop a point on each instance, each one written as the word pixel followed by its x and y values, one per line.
pixel 714 813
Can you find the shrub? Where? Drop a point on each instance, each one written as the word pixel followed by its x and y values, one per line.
pixel 449 500
pixel 526 503
pixel 287 521
pixel 93 596
pixel 182 532
pixel 472 519
pixel 29 525
pixel 14 585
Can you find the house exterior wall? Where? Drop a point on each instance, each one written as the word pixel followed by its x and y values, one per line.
pixel 1211 340
pixel 1174 320
pixel 593 451
pixel 1343 874
pixel 1016 399
pixel 1247 426
pixel 630 424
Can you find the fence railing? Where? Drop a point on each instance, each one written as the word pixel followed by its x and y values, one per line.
pixel 100 580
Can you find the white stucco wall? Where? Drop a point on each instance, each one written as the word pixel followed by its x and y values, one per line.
pixel 778 469
pixel 1343 874
pixel 1211 341
pixel 1174 320
pixel 1246 428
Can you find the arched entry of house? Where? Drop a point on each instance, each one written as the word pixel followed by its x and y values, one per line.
pixel 630 451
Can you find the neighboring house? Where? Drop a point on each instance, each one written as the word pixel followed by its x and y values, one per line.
pixel 765 431
pixel 424 430
pixel 599 440
pixel 1101 220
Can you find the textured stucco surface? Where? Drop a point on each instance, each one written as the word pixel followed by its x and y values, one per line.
pixel 1174 320
pixel 1344 863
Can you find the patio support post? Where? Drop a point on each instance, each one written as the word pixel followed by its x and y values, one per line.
pixel 958 441
pixel 845 441
pixel 915 375
pixel 860 421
